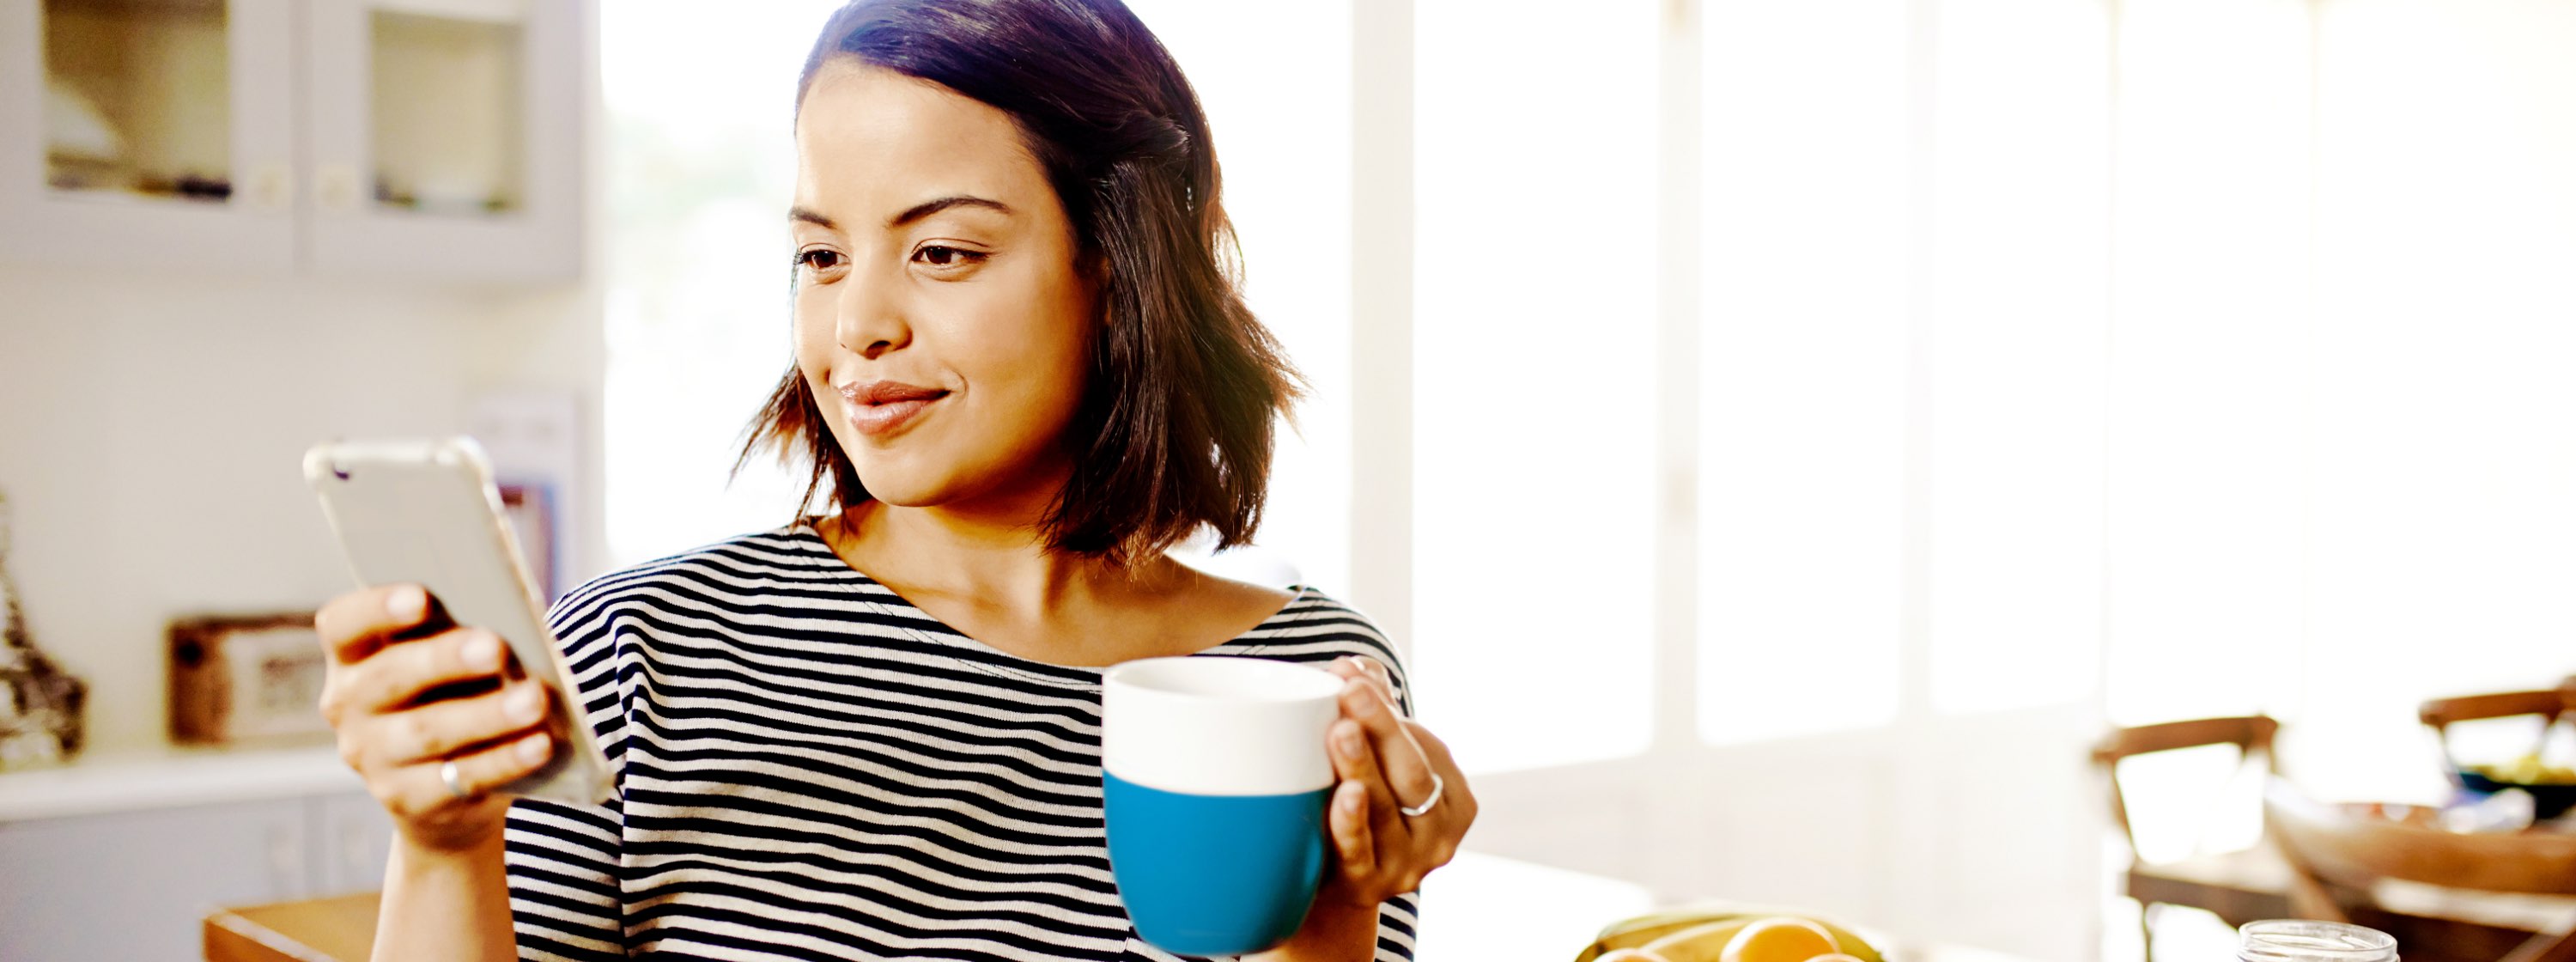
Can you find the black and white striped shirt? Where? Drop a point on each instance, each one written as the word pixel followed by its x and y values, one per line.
pixel 810 767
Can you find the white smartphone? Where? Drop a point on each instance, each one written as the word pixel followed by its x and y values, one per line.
pixel 426 512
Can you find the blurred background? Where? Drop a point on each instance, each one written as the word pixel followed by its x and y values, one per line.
pixel 1868 407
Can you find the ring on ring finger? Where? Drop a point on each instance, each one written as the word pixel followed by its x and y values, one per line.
pixel 1417 811
pixel 447 776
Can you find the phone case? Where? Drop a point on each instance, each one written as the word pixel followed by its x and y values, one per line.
pixel 427 512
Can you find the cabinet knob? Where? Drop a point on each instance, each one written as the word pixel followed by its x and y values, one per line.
pixel 285 862
pixel 335 188
pixel 268 187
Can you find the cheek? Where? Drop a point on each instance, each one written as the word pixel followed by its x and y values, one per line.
pixel 1039 354
pixel 813 328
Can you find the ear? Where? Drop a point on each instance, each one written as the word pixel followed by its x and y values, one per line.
pixel 1092 266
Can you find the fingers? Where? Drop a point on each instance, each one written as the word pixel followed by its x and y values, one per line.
pixel 1352 838
pixel 420 790
pixel 401 672
pixel 440 729
pixel 1355 761
pixel 1408 770
pixel 357 623
pixel 1372 671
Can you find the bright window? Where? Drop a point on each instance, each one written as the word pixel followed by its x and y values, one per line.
pixel 1802 384
pixel 1534 494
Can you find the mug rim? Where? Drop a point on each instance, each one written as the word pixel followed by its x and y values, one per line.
pixel 1141 675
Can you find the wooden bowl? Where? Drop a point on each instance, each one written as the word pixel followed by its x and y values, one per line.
pixel 2355 844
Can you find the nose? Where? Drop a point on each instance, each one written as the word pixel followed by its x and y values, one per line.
pixel 870 319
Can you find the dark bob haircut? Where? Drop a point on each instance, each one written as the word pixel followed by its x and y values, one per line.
pixel 1174 430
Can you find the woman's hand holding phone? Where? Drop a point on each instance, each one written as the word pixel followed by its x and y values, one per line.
pixel 410 692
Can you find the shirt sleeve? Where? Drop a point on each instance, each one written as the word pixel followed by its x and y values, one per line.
pixel 1396 917
pixel 1395 921
pixel 562 859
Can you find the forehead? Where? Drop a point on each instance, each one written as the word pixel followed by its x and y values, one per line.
pixel 870 136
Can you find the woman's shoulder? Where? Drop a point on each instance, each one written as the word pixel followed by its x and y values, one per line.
pixel 717 574
pixel 1310 611
pixel 1317 627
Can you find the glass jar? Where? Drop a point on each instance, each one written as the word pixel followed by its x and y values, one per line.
pixel 2292 940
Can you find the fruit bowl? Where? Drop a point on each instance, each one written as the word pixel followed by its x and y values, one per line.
pixel 2553 791
pixel 1708 932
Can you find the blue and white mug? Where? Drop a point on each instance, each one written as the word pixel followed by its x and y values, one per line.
pixel 1214 777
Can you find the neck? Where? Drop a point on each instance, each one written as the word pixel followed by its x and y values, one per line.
pixel 990 555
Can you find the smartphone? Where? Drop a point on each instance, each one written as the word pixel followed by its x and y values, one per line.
pixel 426 512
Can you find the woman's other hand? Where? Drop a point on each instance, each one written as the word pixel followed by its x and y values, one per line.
pixel 401 746
pixel 1388 763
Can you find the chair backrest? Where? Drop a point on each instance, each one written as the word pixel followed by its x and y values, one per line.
pixel 2251 734
pixel 2440 714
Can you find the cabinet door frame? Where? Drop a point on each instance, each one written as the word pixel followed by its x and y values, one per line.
pixel 254 231
pixel 352 235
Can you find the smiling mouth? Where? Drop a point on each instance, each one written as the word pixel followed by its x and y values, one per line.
pixel 884 407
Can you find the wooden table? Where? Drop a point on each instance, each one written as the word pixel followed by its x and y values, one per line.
pixel 1481 908
pixel 2430 924
pixel 2342 857
pixel 341 929
pixel 1486 908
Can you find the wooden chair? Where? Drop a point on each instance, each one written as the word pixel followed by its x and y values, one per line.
pixel 2441 713
pixel 2254 868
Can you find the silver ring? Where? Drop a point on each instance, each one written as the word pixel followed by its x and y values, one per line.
pixel 1418 810
pixel 447 774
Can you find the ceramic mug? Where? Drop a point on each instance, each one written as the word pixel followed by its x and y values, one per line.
pixel 1214 779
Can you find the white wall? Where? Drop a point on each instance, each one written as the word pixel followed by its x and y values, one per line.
pixel 152 422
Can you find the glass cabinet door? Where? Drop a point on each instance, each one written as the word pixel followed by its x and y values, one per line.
pixel 158 128
pixel 446 138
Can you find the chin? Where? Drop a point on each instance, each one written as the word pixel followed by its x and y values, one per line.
pixel 904 489
pixel 908 482
pixel 922 477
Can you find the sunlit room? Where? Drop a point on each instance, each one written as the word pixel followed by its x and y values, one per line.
pixel 1389 480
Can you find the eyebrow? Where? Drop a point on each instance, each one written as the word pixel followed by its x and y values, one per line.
pixel 913 213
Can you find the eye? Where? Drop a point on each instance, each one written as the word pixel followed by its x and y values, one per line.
pixel 818 259
pixel 942 255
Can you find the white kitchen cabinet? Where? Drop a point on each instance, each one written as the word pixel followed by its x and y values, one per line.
pixel 446 137
pixel 120 858
pixel 134 885
pixel 430 139
pixel 129 98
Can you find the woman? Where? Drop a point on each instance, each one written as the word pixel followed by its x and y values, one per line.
pixel 1023 370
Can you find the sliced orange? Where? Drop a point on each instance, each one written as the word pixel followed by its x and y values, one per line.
pixel 1780 939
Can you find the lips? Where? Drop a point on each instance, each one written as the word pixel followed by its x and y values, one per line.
pixel 882 407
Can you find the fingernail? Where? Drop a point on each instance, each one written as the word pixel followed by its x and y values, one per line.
pixel 522 705
pixel 1351 799
pixel 406 603
pixel 533 748
pixel 482 652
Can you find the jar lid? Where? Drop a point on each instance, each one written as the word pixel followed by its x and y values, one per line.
pixel 2293 940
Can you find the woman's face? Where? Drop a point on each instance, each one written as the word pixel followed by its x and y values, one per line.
pixel 942 319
